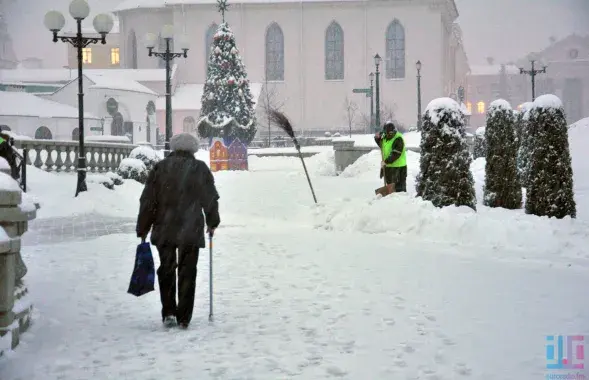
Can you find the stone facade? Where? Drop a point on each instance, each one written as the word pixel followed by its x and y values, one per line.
pixel 15 306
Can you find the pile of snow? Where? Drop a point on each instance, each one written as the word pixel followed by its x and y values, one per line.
pixel 104 180
pixel 55 194
pixel 321 164
pixel 499 229
pixel 4 165
pixel 8 183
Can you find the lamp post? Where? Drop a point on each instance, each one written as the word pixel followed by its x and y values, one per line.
pixel 103 23
pixel 377 61
pixel 371 76
pixel 533 73
pixel 168 56
pixel 418 67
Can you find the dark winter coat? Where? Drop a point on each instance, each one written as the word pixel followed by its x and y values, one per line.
pixel 177 192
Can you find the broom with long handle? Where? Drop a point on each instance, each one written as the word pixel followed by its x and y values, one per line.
pixel 282 121
pixel 210 277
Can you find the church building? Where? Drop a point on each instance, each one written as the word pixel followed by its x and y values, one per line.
pixel 311 54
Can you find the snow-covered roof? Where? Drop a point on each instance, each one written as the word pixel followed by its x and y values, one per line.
pixel 24 104
pixel 493 69
pixel 146 4
pixel 117 82
pixel 66 75
pixel 188 96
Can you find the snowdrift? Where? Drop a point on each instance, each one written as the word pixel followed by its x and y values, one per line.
pixel 403 214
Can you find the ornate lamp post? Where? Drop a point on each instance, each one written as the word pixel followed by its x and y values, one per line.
pixel 419 121
pixel 371 76
pixel 377 62
pixel 533 73
pixel 168 56
pixel 103 23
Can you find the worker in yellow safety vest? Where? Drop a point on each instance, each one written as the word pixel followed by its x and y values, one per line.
pixel 394 156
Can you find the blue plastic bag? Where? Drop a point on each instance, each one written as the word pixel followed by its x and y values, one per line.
pixel 143 277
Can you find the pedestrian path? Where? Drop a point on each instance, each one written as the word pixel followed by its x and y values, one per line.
pixel 76 228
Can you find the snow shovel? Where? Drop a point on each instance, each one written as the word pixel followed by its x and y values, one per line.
pixel 386 189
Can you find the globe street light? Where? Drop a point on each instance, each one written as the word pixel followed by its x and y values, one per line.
pixel 371 76
pixel 419 121
pixel 533 73
pixel 377 62
pixel 103 23
pixel 167 33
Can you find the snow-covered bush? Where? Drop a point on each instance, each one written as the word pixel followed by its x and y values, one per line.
pixel 445 178
pixel 337 134
pixel 327 134
pixel 480 147
pixel 101 179
pixel 502 187
pixel 523 142
pixel 147 155
pixel 133 168
pixel 550 189
pixel 116 179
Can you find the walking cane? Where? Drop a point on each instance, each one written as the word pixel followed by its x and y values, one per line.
pixel 210 277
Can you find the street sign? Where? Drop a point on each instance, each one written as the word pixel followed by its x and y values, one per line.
pixel 96 129
pixel 361 91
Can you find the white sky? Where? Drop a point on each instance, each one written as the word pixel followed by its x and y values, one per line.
pixel 503 29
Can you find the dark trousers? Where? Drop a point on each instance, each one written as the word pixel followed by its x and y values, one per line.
pixel 398 176
pixel 187 258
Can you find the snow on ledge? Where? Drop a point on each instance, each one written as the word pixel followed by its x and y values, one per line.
pixel 548 101
pixel 108 138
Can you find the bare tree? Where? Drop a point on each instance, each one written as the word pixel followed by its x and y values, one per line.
pixel 270 102
pixel 351 109
pixel 365 122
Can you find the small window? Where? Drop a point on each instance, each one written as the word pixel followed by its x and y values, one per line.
pixel 469 107
pixel 115 57
pixel 87 55
pixel 481 107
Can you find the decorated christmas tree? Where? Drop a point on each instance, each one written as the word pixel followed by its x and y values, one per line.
pixel 445 178
pixel 550 183
pixel 227 106
pixel 502 186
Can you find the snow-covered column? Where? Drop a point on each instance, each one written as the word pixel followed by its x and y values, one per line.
pixel 16 210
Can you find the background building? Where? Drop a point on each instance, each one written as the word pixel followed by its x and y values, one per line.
pixel 567 76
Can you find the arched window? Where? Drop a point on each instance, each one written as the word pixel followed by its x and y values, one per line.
pixel 5 128
pixel 210 34
pixel 43 133
pixel 274 53
pixel 76 134
pixel 334 52
pixel 162 48
pixel 132 50
pixel 188 125
pixel 395 48
pixel 481 107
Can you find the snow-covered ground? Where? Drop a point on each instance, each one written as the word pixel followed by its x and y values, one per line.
pixel 355 287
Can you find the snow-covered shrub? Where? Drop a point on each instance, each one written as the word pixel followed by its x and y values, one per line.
pixel 133 168
pixel 337 134
pixel 550 189
pixel 480 146
pixel 101 179
pixel 328 134
pixel 116 179
pixel 502 187
pixel 523 142
pixel 445 178
pixel 147 155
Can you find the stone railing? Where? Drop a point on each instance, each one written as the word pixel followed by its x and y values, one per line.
pixel 61 156
pixel 15 306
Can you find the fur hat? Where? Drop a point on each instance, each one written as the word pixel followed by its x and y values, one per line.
pixel 184 142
